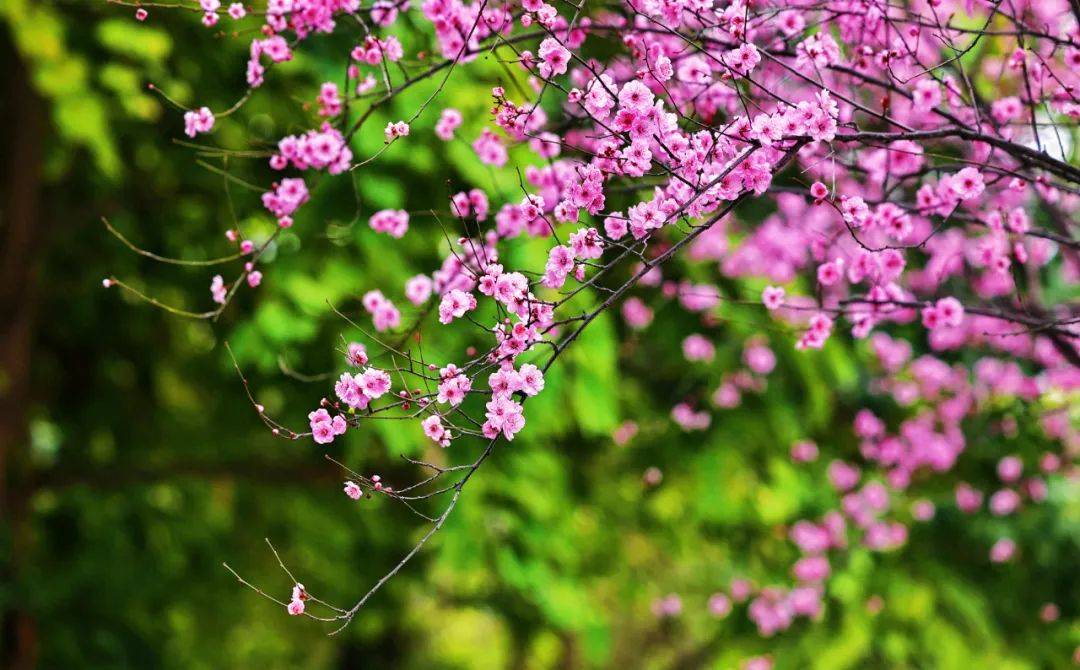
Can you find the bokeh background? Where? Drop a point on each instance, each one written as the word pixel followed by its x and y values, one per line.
pixel 133 466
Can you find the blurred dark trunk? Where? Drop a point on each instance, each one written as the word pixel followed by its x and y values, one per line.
pixel 21 229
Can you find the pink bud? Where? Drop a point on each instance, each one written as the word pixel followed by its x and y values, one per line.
pixel 1049 612
pixel 1009 469
pixel 804 451
pixel 1003 550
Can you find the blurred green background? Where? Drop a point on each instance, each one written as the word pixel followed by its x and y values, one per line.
pixel 133 466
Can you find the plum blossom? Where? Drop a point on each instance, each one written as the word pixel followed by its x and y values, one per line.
pixel 394 130
pixel 449 121
pixel 325 428
pixel 198 121
pixel 434 430
pixel 554 58
pixel 393 222
pixel 455 303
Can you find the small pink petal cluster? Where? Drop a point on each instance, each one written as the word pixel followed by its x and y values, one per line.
pixel 286 197
pixel 455 303
pixel 296 600
pixel 324 428
pixel 473 203
pixel 449 121
pixel 353 490
pixel 374 50
pixel 323 149
pixel 395 129
pixel 385 315
pixel 197 121
pixel 357 390
pixel 218 291
pixel 393 222
pixel 690 419
pixel 453 386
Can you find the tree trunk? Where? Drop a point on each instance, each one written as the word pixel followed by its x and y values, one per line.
pixel 24 126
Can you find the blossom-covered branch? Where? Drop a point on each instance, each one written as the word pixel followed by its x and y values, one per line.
pixel 916 160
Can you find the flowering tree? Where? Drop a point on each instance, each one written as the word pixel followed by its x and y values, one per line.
pixel 901 171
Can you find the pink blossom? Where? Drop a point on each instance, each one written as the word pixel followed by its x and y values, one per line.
pixel 449 121
pixel 434 430
pixel 759 358
pixel 727 395
pixel 325 428
pixel 218 291
pixel 1010 468
pixel 198 121
pixel 830 273
pixel 1004 502
pixel 504 415
pixel 968 499
pixel 1003 550
pixel 455 303
pixel 819 50
pixel 949 312
pixel 286 197
pixel 329 100
pixel 393 222
pixel 927 95
pixel 454 388
pixel 741 589
pixel 719 605
pixel 353 490
pixel 922 510
pixel 554 58
pixel 742 59
pixel 804 451
pixel 967 183
pixel 532 379
pixel 637 314
pixel 843 476
pixel 697 348
pixel 811 569
pixel 1049 613
pixel 374 383
pixel 349 392
pixel 772 297
pixel 668 606
pixel 489 149
pixel 356 355
pixel 394 130
pixel 624 433
pixel 688 419
pixel 418 289
pixel 757 663
pixel 1036 489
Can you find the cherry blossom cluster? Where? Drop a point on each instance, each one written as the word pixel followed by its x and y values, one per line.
pixel 917 193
